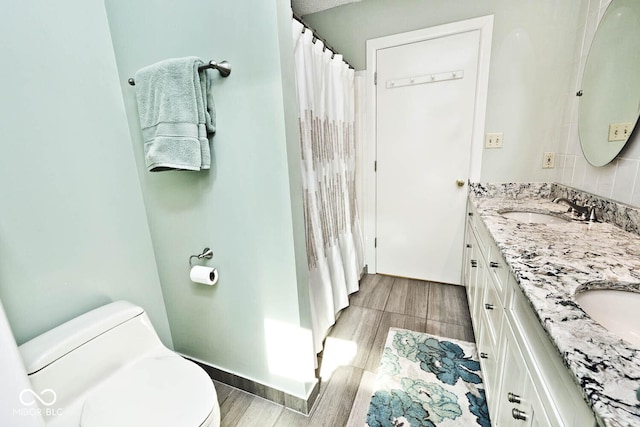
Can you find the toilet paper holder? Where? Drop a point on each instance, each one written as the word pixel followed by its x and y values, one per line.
pixel 206 253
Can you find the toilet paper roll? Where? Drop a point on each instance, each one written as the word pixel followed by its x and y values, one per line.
pixel 205 275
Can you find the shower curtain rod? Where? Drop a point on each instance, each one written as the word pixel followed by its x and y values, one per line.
pixel 317 37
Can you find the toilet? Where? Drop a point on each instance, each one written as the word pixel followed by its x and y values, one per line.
pixel 108 368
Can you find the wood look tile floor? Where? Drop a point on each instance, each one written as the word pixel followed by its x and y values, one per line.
pixel 353 350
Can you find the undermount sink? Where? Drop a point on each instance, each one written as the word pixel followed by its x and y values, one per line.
pixel 533 217
pixel 617 310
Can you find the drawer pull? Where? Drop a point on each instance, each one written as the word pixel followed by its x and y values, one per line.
pixel 513 398
pixel 484 356
pixel 474 263
pixel 493 264
pixel 488 306
pixel 470 213
pixel 468 245
pixel 518 414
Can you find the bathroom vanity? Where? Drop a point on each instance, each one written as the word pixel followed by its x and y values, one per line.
pixel 545 361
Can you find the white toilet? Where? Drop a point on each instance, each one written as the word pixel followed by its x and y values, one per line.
pixel 108 368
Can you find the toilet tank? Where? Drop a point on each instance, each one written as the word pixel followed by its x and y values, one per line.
pixel 76 356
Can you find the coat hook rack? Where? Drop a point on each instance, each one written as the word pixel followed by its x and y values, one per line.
pixel 224 68
pixel 206 253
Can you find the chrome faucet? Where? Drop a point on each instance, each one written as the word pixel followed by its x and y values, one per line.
pixel 583 211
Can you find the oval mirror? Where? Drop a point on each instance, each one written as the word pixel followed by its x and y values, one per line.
pixel 610 102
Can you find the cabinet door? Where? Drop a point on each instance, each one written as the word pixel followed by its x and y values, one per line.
pixel 479 284
pixel 474 266
pixel 489 362
pixel 512 407
pixel 539 417
pixel 466 256
pixel 469 243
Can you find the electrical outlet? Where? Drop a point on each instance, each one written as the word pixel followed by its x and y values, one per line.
pixel 548 160
pixel 493 140
pixel 620 131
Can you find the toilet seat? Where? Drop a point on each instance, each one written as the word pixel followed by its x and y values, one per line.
pixel 155 391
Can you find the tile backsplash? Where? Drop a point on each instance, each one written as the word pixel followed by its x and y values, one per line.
pixel 619 214
pixel 512 190
pixel 607 210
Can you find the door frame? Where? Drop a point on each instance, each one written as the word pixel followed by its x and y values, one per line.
pixel 485 25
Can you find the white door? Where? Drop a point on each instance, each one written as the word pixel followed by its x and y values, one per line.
pixel 425 97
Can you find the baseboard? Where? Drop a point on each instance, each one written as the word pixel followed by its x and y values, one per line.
pixel 287 400
pixel 364 272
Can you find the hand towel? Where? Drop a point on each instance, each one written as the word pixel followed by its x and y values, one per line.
pixel 176 114
pixel 209 117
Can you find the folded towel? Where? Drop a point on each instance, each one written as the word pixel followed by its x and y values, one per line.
pixel 176 114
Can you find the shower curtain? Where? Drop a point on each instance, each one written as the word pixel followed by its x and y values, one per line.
pixel 325 87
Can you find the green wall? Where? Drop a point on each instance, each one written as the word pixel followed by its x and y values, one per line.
pixel 248 207
pixel 532 66
pixel 73 231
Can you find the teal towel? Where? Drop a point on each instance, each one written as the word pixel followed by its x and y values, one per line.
pixel 176 114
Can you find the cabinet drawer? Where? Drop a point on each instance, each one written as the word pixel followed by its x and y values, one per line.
pixel 492 311
pixel 478 228
pixel 484 240
pixel 475 272
pixel 499 270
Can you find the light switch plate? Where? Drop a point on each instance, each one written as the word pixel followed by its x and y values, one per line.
pixel 548 160
pixel 620 131
pixel 493 140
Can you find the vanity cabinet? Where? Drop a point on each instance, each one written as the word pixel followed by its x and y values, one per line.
pixel 526 382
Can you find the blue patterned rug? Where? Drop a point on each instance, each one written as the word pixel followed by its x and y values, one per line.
pixel 425 380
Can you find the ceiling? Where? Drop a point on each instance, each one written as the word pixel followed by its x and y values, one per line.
pixel 306 7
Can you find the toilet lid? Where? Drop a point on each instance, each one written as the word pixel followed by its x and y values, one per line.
pixel 165 391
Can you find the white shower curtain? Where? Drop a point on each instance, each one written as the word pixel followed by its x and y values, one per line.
pixel 334 241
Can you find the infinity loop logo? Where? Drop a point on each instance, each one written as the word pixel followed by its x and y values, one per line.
pixel 29 397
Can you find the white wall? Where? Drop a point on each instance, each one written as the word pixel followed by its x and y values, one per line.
pixel 531 66
pixel 619 180
pixel 248 207
pixel 539 51
pixel 74 228
pixel 73 231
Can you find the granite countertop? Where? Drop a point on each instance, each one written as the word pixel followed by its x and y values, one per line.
pixel 550 261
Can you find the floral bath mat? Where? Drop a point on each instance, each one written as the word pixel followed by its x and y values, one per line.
pixel 428 381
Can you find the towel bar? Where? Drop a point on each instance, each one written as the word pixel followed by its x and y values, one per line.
pixel 223 67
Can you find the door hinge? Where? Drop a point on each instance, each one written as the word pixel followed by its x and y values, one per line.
pixel 375 242
pixel 375 166
pixel 375 78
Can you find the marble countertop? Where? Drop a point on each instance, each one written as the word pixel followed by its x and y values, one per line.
pixel 550 261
